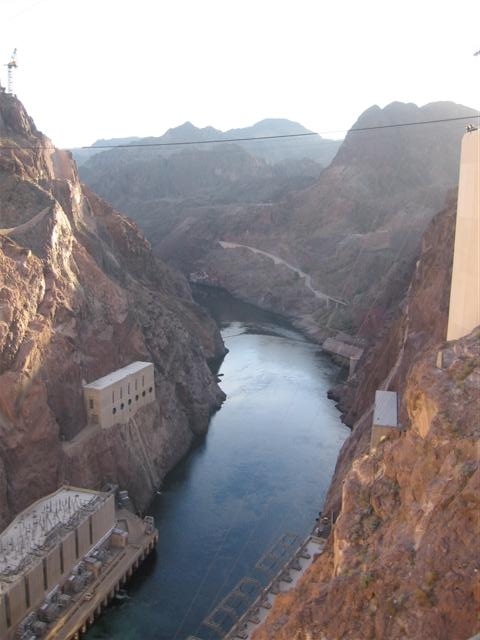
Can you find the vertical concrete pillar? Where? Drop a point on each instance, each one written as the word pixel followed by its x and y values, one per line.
pixel 464 311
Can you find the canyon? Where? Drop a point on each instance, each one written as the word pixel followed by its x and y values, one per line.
pixel 354 229
pixel 355 246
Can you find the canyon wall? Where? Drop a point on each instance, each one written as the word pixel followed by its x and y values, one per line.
pixel 81 294
pixel 402 558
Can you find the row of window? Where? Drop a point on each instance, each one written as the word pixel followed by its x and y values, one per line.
pixel 128 389
pixel 122 405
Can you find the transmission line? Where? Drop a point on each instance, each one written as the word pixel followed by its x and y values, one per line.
pixel 142 145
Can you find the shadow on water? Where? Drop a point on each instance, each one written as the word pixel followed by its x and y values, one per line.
pixel 224 308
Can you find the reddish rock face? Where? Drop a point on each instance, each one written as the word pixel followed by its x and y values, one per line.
pixel 402 560
pixel 80 295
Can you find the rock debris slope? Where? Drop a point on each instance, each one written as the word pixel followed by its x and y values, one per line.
pixel 80 295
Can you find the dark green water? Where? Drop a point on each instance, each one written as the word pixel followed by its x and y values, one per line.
pixel 262 470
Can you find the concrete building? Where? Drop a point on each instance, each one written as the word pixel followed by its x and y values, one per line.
pixel 385 416
pixel 39 549
pixel 116 397
pixel 464 311
pixel 339 347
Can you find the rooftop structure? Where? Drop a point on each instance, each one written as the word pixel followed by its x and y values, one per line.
pixel 118 375
pixel 116 397
pixel 63 559
pixel 32 530
pixel 385 416
pixel 44 543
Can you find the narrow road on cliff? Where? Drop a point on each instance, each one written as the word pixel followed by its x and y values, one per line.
pixel 277 260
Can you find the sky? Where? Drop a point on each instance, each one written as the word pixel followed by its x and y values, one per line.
pixel 114 68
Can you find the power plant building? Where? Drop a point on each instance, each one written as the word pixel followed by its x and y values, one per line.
pixel 116 397
pixel 41 547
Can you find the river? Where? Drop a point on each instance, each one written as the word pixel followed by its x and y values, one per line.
pixel 262 470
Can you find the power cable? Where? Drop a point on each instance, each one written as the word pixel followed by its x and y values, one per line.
pixel 280 136
pixel 143 145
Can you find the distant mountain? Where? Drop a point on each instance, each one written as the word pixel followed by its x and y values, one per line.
pixel 309 147
pixel 81 155
pixel 354 228
pixel 355 231
pixel 155 183
pixel 314 147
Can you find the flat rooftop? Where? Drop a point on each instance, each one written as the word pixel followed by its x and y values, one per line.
pixel 385 413
pixel 118 375
pixel 29 532
pixel 342 348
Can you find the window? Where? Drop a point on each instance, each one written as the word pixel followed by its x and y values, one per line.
pixel 143 394
pixel 90 403
pixel 114 410
pixel 150 390
pixel 122 406
pixel 143 381
pixel 128 388
pixel 129 401
pixel 113 397
pixel 136 397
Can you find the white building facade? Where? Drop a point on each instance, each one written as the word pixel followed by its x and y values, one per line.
pixel 116 397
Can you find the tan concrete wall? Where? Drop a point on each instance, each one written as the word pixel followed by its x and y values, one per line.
pixel 53 567
pixel 464 312
pixel 69 557
pixel 103 519
pixel 93 397
pixel 35 584
pixel 18 605
pixel 83 533
pixel 126 397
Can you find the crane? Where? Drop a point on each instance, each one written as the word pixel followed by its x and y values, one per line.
pixel 11 66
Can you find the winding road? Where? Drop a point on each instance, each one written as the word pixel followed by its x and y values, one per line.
pixel 277 260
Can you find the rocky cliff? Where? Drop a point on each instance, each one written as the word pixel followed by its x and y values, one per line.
pixel 80 295
pixel 355 231
pixel 402 558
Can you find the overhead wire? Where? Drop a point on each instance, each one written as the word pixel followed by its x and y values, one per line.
pixel 354 129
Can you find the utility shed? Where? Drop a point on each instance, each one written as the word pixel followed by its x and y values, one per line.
pixel 385 416
pixel 345 350
pixel 116 397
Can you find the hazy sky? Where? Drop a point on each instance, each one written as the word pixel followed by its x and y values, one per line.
pixel 111 68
